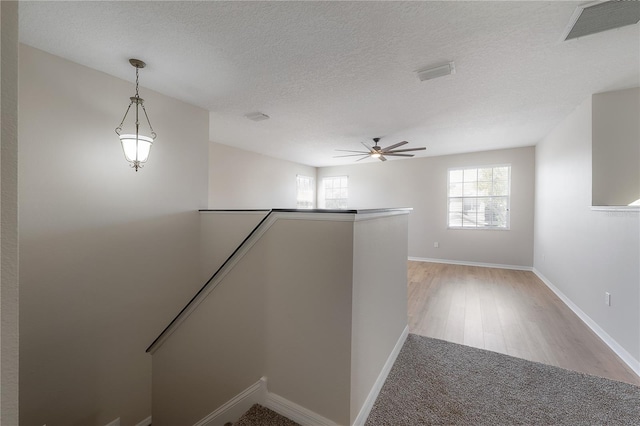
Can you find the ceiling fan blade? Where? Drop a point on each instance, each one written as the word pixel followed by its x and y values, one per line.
pixel 368 147
pixel 390 147
pixel 407 149
pixel 377 152
pixel 352 155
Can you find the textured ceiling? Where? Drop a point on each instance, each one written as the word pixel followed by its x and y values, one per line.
pixel 333 74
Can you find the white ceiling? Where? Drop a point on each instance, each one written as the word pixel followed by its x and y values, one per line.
pixel 333 74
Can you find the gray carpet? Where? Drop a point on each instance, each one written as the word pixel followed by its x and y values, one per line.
pixel 437 382
pixel 262 416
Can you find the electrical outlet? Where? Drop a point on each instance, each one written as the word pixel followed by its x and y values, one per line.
pixel 436 245
pixel 607 298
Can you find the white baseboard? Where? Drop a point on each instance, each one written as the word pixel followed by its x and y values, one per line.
pixel 628 359
pixel 257 393
pixel 375 390
pixel 295 412
pixel 237 406
pixel 481 264
pixel 115 422
pixel 463 262
pixel 145 422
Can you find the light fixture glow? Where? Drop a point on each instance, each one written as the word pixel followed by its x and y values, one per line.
pixel 136 149
pixel 375 155
pixel 136 146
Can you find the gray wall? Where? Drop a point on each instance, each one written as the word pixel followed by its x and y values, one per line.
pixel 616 147
pixel 421 183
pixel 284 312
pixel 9 215
pixel 237 180
pixel 585 253
pixel 107 255
pixel 379 300
pixel 304 306
pixel 220 234
pixel 241 179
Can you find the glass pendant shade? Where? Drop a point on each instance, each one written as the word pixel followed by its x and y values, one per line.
pixel 136 150
pixel 136 147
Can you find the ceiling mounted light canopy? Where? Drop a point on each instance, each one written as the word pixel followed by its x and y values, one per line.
pixel 136 146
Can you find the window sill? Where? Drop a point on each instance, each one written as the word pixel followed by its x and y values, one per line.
pixel 616 208
pixel 469 228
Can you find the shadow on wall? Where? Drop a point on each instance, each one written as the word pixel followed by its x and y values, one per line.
pixel 91 301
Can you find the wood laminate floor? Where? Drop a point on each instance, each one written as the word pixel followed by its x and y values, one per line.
pixel 506 311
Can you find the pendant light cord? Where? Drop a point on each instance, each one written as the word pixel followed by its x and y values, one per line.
pixel 138 101
pixel 137 77
pixel 153 134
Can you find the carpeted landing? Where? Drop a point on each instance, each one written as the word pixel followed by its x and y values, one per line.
pixel 434 382
pixel 437 382
pixel 262 416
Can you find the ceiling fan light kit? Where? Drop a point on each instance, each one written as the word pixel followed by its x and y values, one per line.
pixel 376 151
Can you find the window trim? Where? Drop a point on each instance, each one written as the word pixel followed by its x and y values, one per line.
pixel 313 191
pixel 322 199
pixel 507 227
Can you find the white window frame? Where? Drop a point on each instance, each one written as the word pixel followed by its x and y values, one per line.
pixel 334 203
pixel 305 197
pixel 478 202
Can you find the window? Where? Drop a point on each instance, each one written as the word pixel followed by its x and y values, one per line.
pixel 305 192
pixel 479 197
pixel 335 192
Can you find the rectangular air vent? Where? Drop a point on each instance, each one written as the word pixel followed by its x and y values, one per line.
pixel 601 16
pixel 257 116
pixel 435 72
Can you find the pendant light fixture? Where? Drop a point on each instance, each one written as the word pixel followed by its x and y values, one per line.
pixel 136 146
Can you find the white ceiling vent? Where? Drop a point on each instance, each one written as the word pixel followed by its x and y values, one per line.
pixel 257 116
pixel 435 72
pixel 601 16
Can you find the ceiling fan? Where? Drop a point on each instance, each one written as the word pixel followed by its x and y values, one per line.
pixel 376 152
